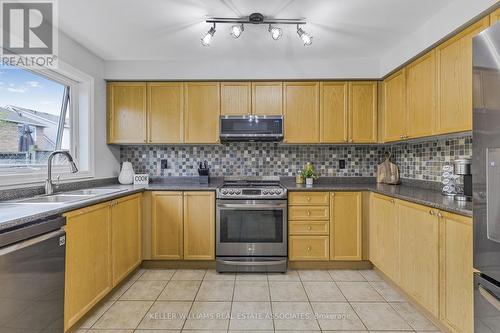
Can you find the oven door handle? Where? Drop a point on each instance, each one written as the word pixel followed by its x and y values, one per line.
pixel 253 263
pixel 251 206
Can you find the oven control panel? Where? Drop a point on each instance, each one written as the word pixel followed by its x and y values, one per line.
pixel 255 193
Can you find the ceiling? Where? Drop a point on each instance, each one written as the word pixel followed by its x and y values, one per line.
pixel 170 30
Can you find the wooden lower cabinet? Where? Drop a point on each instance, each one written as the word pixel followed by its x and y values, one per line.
pixel 308 248
pixel 199 225
pixel 167 225
pixel 345 226
pixel 125 236
pixel 419 253
pixel 88 260
pixel 456 306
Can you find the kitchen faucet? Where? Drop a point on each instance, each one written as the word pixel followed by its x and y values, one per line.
pixel 49 186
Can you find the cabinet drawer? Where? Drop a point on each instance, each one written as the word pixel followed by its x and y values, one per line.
pixel 308 198
pixel 308 227
pixel 308 213
pixel 308 248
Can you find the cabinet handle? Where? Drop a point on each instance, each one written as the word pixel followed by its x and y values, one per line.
pixel 308 198
pixel 401 136
pixel 309 227
pixel 309 249
pixel 308 213
pixel 431 212
pixel 392 201
pixel 440 215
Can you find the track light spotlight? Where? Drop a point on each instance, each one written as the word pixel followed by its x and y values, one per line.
pixel 306 38
pixel 236 30
pixel 275 32
pixel 207 39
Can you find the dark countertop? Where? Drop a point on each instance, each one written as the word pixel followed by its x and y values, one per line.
pixel 14 214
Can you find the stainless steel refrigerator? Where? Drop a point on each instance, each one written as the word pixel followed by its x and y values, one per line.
pixel 486 179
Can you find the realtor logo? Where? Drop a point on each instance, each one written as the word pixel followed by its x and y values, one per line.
pixel 29 37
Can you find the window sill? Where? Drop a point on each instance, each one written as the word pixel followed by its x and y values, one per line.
pixel 38 179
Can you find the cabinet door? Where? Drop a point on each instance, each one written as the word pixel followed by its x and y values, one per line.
pixel 420 94
pixel 201 112
pixel 199 225
pixel 235 98
pixel 363 112
pixel 125 236
pixel 301 112
pixel 167 225
pixel 395 118
pixel 126 112
pixel 165 112
pixel 454 63
pixel 333 112
pixel 419 253
pixel 495 16
pixel 387 235
pixel 345 226
pixel 88 260
pixel 267 98
pixel 456 272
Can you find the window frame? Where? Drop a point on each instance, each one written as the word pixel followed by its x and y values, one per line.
pixel 81 114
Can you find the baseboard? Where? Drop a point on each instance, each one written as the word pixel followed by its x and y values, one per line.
pixel 179 264
pixel 363 264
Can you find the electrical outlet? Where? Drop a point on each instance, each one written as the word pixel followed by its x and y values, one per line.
pixel 164 164
pixel 341 164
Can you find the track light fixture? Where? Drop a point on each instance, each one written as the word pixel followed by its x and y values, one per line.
pixel 256 18
pixel 307 39
pixel 275 32
pixel 236 30
pixel 207 39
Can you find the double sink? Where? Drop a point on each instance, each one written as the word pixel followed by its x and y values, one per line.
pixel 68 197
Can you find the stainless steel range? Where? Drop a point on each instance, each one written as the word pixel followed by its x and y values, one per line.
pixel 251 226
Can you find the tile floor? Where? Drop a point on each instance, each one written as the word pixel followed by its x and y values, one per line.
pixel 301 301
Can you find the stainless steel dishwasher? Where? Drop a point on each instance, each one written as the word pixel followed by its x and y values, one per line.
pixel 32 262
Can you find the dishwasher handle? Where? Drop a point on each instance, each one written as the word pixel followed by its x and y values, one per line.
pixel 61 233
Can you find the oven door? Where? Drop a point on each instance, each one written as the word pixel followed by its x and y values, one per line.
pixel 251 228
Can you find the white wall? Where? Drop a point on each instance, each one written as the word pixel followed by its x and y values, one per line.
pixel 106 158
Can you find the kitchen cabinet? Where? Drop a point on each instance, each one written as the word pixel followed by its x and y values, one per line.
pixel 267 98
pixel 456 306
pixel 165 110
pixel 363 112
pixel 125 236
pixel 126 104
pixel 419 253
pixel 167 235
pixel 201 112
pixel 384 235
pixel 421 96
pixel 495 16
pixel 88 275
pixel 395 115
pixel 334 111
pixel 235 98
pixel 307 248
pixel 199 225
pixel 454 79
pixel 345 226
pixel 301 111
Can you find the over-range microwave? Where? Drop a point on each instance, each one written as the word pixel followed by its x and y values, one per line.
pixel 251 128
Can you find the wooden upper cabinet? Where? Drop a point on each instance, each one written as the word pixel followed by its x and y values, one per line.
pixel 495 16
pixel 267 98
pixel 395 116
pixel 301 111
pixel 454 63
pixel 125 236
pixel 363 112
pixel 345 226
pixel 167 225
pixel 199 225
pixel 421 95
pixel 334 112
pixel 126 112
pixel 165 112
pixel 235 98
pixel 201 112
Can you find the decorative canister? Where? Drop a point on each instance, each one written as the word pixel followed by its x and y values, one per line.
pixel 127 174
pixel 309 181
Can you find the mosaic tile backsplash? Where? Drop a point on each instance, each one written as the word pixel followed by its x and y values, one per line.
pixel 417 160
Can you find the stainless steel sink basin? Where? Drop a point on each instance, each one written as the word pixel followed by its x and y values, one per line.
pixel 93 191
pixel 56 199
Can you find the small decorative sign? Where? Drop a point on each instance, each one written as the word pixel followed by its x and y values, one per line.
pixel 141 179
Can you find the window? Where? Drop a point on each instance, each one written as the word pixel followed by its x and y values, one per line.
pixel 37 116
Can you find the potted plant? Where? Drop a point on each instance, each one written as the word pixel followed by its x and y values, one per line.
pixel 309 174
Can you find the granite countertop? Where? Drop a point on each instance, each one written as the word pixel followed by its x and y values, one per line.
pixel 14 214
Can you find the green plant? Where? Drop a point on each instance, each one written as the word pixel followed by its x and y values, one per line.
pixel 308 171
